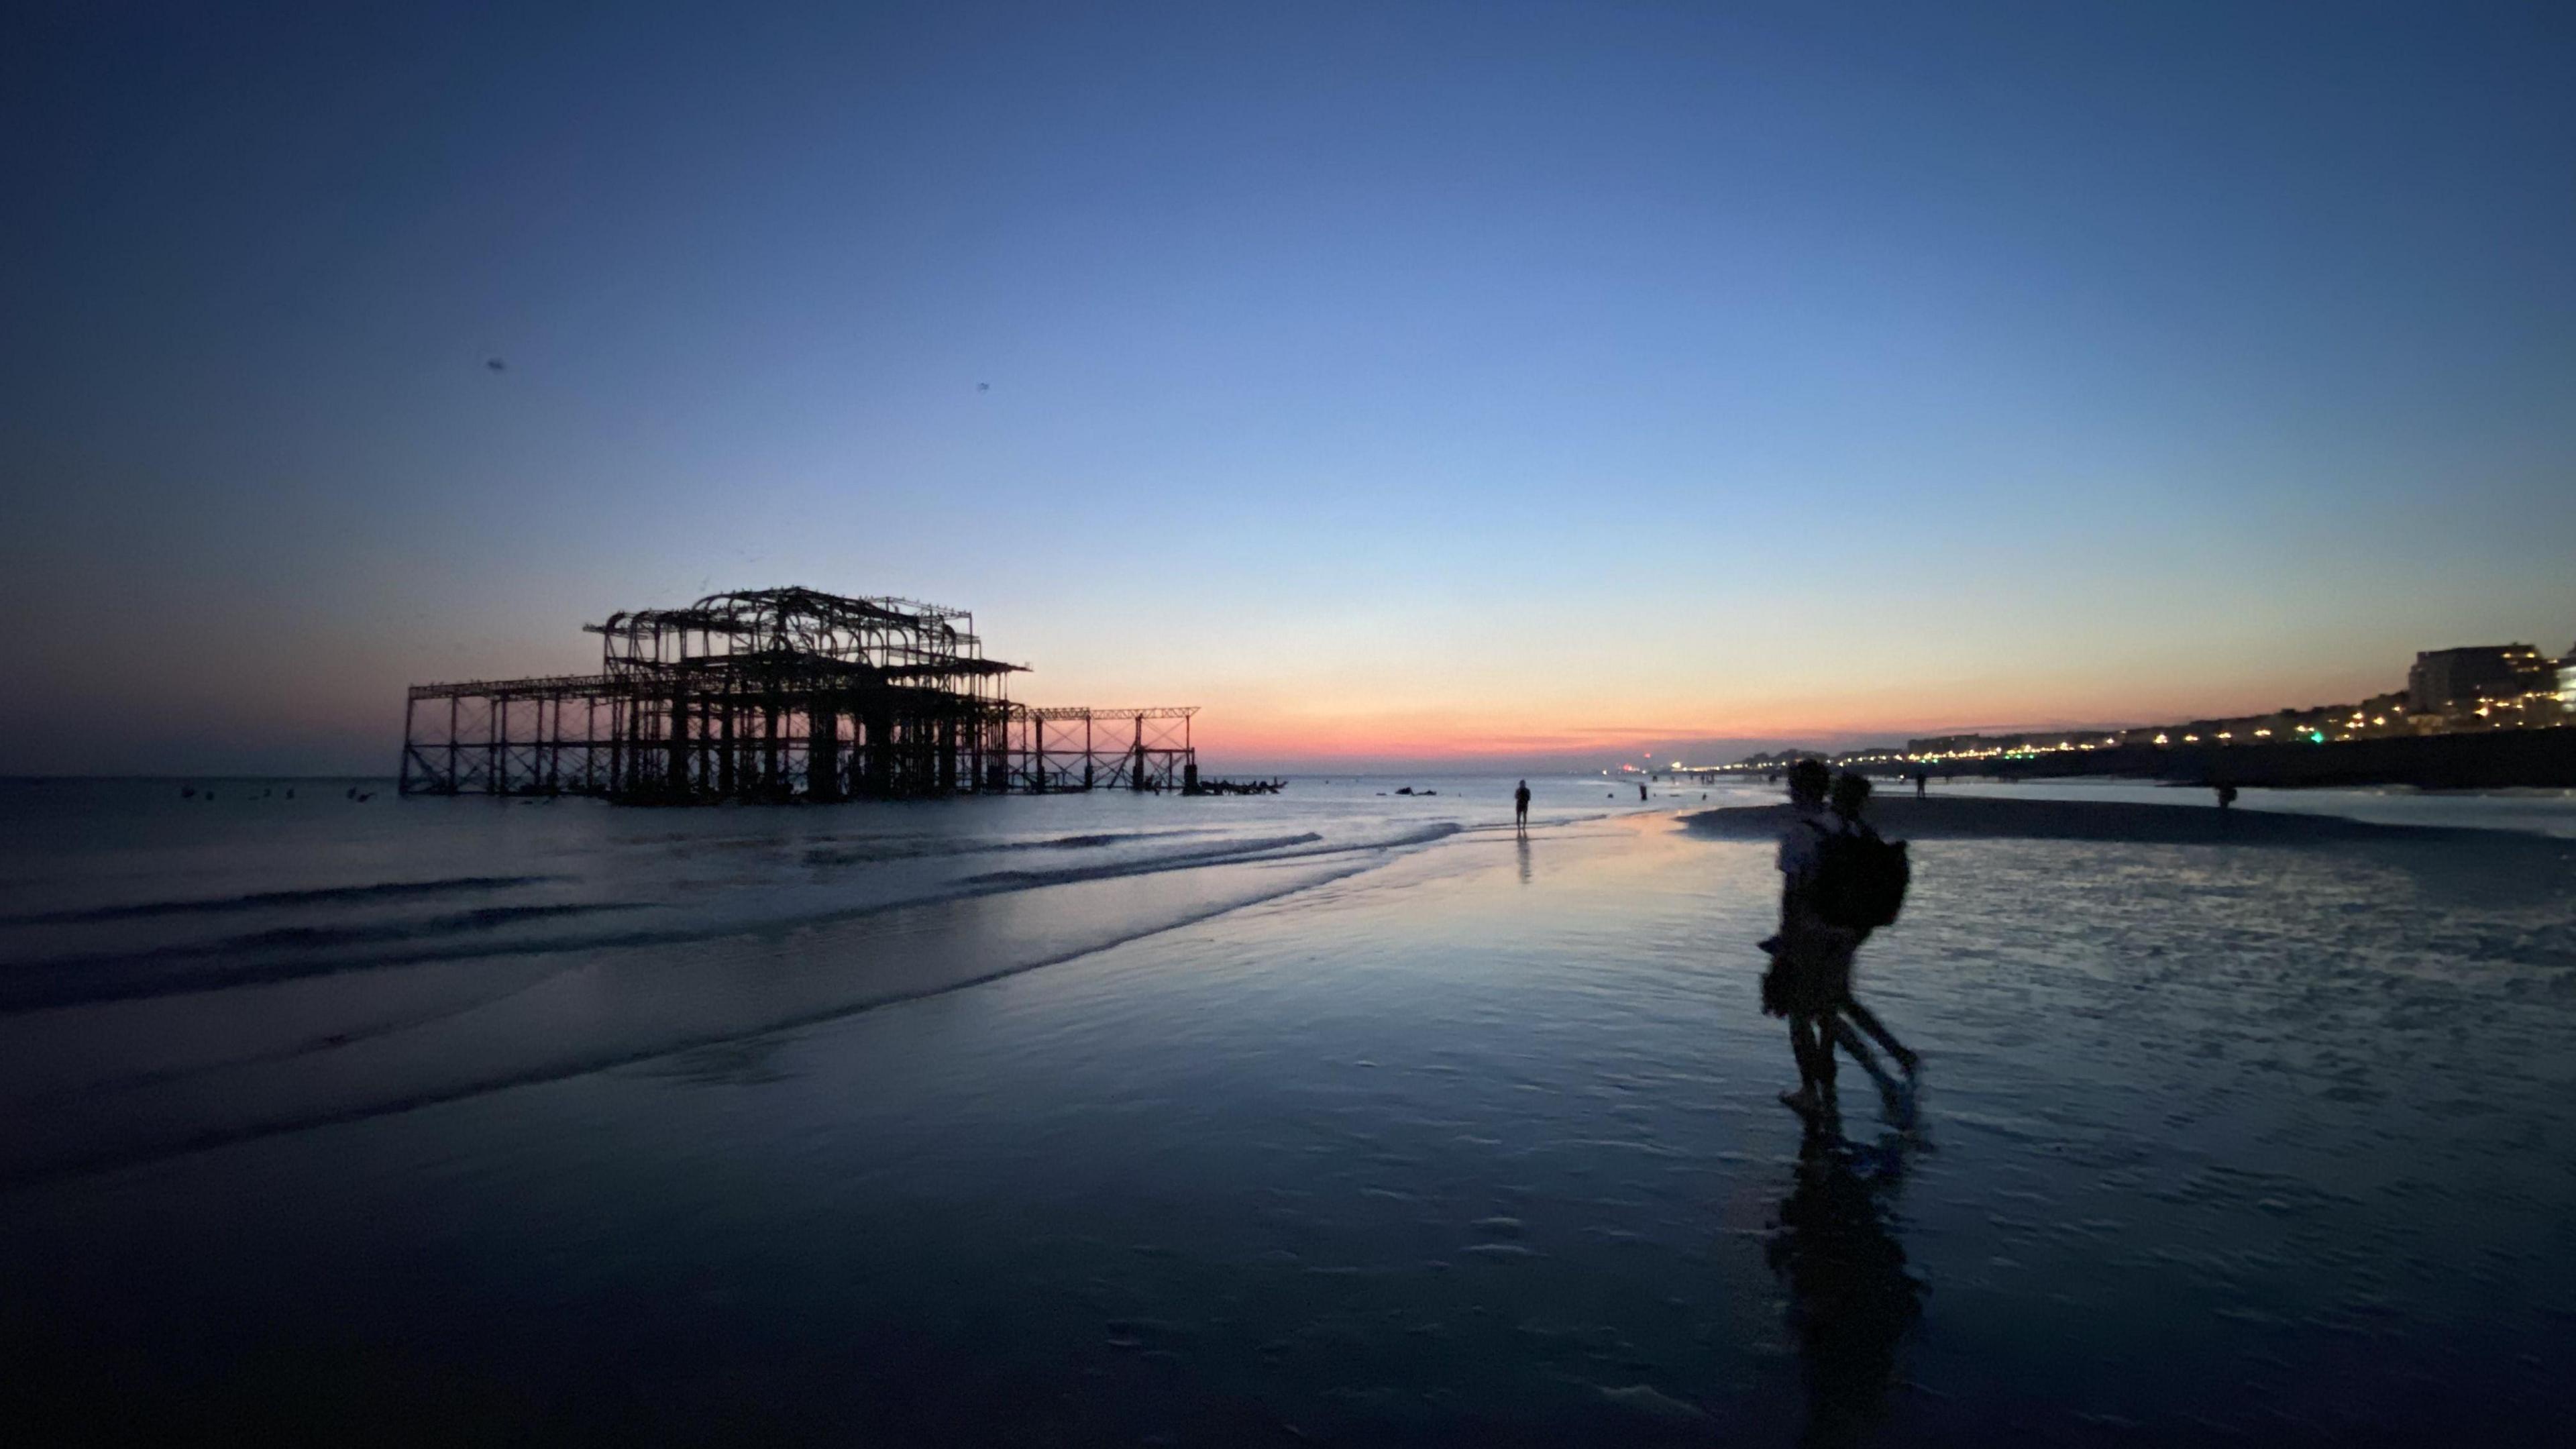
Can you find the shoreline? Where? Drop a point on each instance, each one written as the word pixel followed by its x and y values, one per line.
pixel 1982 817
pixel 2540 757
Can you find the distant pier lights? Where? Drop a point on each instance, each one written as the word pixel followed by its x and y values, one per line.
pixel 779 695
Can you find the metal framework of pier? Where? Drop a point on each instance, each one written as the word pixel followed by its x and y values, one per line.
pixel 783 694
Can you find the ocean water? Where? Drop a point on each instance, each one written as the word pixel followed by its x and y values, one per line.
pixel 1340 1116
pixel 186 970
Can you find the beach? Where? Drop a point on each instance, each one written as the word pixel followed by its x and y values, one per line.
pixel 1345 1117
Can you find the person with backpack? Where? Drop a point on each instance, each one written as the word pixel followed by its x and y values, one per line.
pixel 1838 882
pixel 1810 959
pixel 1872 857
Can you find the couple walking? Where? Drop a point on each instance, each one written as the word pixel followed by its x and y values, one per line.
pixel 1838 882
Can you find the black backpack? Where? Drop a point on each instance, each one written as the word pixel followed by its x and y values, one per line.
pixel 1860 879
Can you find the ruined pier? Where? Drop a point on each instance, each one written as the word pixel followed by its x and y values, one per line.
pixel 778 695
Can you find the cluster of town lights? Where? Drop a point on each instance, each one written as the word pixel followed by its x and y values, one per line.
pixel 2317 734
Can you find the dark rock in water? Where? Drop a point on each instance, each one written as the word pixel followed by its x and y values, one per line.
pixel 1404 789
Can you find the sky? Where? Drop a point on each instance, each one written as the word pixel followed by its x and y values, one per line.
pixel 1522 384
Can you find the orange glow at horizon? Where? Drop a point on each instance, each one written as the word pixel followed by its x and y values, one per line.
pixel 1313 729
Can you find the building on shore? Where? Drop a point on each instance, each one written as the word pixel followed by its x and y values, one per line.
pixel 2452 681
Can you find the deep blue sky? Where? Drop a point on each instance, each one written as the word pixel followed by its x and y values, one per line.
pixel 1391 380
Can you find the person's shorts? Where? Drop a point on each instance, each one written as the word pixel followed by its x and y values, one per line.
pixel 1810 971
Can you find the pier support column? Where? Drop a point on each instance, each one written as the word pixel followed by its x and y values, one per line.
pixel 823 754
pixel 771 783
pixel 728 778
pixel 675 776
pixel 704 776
pixel 880 771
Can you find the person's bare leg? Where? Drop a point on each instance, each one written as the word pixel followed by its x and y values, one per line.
pixel 1838 1031
pixel 1896 1093
pixel 1803 1050
pixel 1821 1036
pixel 1869 1022
pixel 1814 1096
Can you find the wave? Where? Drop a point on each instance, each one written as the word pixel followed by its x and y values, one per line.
pixel 161 970
pixel 1086 842
pixel 319 938
pixel 1216 854
pixel 294 953
pixel 1426 835
pixel 1234 852
pixel 937 847
pixel 387 890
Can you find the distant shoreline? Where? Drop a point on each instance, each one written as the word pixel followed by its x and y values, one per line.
pixel 2508 759
pixel 1984 817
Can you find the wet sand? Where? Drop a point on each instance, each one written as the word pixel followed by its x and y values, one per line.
pixel 1476 1148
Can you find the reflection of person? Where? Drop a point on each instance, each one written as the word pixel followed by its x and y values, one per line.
pixel 1851 1297
pixel 1520 807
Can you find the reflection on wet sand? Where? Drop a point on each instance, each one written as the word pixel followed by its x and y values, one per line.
pixel 1852 1298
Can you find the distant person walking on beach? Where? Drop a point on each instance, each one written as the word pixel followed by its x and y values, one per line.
pixel 1835 886
pixel 1520 808
pixel 2226 796
pixel 1922 783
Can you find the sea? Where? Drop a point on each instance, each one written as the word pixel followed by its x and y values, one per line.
pixel 1347 1115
